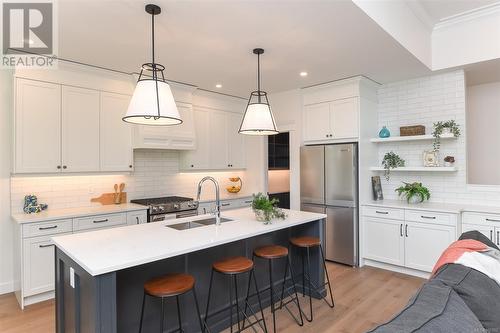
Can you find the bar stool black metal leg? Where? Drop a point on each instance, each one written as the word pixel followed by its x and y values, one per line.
pixel 258 298
pixel 179 314
pixel 162 317
pixel 208 299
pixel 303 274
pixel 271 289
pixel 231 303
pixel 142 311
pixel 237 301
pixel 202 325
pixel 288 269
pixel 309 285
pixel 332 304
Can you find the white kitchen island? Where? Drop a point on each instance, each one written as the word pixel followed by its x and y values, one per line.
pixel 100 274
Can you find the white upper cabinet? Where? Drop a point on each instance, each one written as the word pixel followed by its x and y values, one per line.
pixel 317 122
pixel 37 127
pixel 236 142
pixel 218 140
pixel 199 158
pixel 178 137
pixel 80 129
pixel 344 118
pixel 115 134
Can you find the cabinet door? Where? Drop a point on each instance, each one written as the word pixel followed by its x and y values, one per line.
pixel 38 265
pixel 317 122
pixel 37 127
pixel 424 244
pixel 383 240
pixel 115 134
pixel 218 143
pixel 183 135
pixel 344 120
pixel 198 158
pixel 484 229
pixel 138 217
pixel 235 142
pixel 80 129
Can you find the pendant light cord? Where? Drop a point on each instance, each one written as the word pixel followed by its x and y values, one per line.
pixel 258 76
pixel 155 74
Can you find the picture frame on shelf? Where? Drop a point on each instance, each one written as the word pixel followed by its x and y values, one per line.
pixel 430 158
pixel 377 188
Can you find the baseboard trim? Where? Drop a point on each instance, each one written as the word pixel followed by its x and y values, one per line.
pixel 6 287
pixel 398 269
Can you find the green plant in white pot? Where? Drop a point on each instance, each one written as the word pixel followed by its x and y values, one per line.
pixel 444 127
pixel 414 192
pixel 266 209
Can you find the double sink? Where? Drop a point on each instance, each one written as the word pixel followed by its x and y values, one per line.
pixel 196 223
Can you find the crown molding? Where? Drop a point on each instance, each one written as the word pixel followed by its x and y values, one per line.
pixel 468 16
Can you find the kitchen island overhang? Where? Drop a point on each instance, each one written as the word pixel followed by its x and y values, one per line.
pixel 100 274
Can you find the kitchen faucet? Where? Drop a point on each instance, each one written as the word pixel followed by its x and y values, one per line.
pixel 217 197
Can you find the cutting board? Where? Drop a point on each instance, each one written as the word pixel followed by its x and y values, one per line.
pixel 109 198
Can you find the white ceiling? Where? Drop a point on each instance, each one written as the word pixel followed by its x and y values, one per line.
pixel 207 42
pixel 438 10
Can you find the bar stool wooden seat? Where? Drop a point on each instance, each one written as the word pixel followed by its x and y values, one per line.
pixel 171 285
pixel 306 244
pixel 272 253
pixel 234 267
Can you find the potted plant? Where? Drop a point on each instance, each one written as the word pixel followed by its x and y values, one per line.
pixel 265 209
pixel 444 127
pixel 414 192
pixel 390 161
pixel 449 161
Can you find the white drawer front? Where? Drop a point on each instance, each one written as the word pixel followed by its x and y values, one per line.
pixel 481 218
pixel 47 228
pixel 383 212
pixel 430 217
pixel 99 221
pixel 137 217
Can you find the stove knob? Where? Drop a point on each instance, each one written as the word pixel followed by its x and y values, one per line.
pixel 154 209
pixel 177 206
pixel 161 208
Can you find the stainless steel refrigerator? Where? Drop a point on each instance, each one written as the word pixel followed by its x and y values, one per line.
pixel 329 185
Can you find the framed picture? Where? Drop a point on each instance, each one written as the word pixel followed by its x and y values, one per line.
pixel 431 158
pixel 377 188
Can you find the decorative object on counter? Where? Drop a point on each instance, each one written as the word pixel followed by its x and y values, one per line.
pixel 384 132
pixel 449 161
pixel 430 158
pixel 444 127
pixel 235 188
pixel 412 130
pixel 115 198
pixel 265 209
pixel 413 192
pixel 390 161
pixel 31 204
pixel 377 188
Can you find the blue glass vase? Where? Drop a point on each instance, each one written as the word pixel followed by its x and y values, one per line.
pixel 384 133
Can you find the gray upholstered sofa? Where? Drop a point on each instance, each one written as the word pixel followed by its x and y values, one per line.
pixel 457 299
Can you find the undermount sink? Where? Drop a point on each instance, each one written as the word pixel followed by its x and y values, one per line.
pixel 196 224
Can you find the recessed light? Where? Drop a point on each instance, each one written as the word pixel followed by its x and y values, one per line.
pixel 218 85
pixel 303 74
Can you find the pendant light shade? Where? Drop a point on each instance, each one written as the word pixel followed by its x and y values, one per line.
pixel 152 102
pixel 258 118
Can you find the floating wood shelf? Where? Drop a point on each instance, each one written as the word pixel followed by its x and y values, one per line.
pixel 427 137
pixel 418 169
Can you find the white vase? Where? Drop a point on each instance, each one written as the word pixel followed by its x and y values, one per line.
pixel 414 199
pixel 446 130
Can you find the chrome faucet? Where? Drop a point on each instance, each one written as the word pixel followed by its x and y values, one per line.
pixel 217 197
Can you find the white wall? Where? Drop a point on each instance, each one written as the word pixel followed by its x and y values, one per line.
pixel 424 101
pixel 287 110
pixel 483 139
pixel 6 230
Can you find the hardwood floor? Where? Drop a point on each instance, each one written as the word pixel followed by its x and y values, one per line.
pixel 364 297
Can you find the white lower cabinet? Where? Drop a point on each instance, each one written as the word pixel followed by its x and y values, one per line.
pixel 209 206
pixel 139 217
pixel 487 224
pixel 406 242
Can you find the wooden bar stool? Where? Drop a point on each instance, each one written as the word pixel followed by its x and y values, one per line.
pixel 272 253
pixel 233 267
pixel 171 285
pixel 305 244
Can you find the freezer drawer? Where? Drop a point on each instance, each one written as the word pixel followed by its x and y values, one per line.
pixel 341 235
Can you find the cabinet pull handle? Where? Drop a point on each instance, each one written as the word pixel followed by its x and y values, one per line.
pixel 492 220
pixel 130 166
pixel 428 217
pixel 137 219
pixel 401 230
pixel 65 167
pixel 406 230
pixel 46 245
pixel 225 204
pixel 59 167
pixel 47 228
pixel 101 221
pixel 491 235
pixel 248 201
pixel 379 212
pixel 498 237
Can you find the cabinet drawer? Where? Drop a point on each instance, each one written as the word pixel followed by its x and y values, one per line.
pixel 47 228
pixel 481 218
pixel 99 221
pixel 137 217
pixel 430 217
pixel 384 212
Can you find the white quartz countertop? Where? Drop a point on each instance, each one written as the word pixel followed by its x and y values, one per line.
pixel 104 251
pixel 68 213
pixel 453 208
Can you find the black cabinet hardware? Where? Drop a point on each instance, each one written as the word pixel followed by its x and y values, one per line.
pixel 130 166
pixel 137 219
pixel 47 228
pixel 491 235
pixel 401 230
pixel 492 220
pixel 101 221
pixel 428 217
pixel 380 212
pixel 225 204
pixel 65 167
pixel 498 237
pixel 406 230
pixel 46 245
pixel 192 166
pixel 59 167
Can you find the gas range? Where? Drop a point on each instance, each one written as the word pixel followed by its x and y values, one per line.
pixel 165 208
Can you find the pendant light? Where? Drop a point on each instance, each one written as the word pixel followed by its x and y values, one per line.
pixel 152 102
pixel 258 118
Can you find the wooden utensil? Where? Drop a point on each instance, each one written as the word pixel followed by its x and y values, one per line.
pixel 117 197
pixel 109 198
